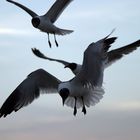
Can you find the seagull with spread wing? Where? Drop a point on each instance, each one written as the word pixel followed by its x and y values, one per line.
pixel 45 23
pixel 113 56
pixel 84 90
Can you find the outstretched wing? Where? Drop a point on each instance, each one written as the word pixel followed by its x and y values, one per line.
pixel 30 12
pixel 29 90
pixel 117 54
pixel 41 55
pixel 92 68
pixel 56 9
pixel 90 77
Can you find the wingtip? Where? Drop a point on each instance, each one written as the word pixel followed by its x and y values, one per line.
pixel 9 0
pixel 34 49
pixel 108 43
pixel 113 30
pixel 2 114
pixel 36 52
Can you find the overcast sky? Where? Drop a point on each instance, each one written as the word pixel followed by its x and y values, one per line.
pixel 117 116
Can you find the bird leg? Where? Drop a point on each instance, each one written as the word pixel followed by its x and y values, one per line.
pixel 84 108
pixel 55 40
pixel 49 41
pixel 75 109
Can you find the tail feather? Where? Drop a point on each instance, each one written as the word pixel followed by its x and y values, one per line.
pixel 63 31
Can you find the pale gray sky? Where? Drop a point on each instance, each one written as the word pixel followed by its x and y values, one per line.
pixel 117 116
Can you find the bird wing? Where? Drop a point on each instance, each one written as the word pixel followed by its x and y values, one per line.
pixel 56 9
pixel 41 55
pixel 92 68
pixel 30 12
pixel 117 54
pixel 29 90
pixel 90 78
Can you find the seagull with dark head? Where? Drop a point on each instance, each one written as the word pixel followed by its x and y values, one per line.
pixel 73 66
pixel 113 56
pixel 84 90
pixel 45 23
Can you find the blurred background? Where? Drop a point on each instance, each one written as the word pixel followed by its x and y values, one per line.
pixel 117 116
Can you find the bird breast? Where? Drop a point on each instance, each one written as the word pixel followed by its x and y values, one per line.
pixel 46 26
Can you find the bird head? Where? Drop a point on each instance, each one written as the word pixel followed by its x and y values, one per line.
pixel 72 66
pixel 35 22
pixel 64 93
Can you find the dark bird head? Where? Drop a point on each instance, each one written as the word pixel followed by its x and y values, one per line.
pixel 72 66
pixel 64 93
pixel 35 22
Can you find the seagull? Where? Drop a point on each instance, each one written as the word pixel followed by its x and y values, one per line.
pixel 113 56
pixel 84 90
pixel 45 23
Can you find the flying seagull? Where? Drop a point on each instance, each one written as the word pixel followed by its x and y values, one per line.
pixel 84 90
pixel 113 56
pixel 45 23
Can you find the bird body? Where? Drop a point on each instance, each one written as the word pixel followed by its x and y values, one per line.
pixel 90 94
pixel 45 23
pixel 84 90
pixel 112 56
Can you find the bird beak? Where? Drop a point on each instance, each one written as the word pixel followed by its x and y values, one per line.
pixel 63 101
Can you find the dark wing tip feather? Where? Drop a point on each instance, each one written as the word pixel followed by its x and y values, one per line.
pixel 117 54
pixel 10 104
pixel 15 102
pixel 37 53
pixel 108 43
pixel 110 40
pixel 41 55
pixel 29 90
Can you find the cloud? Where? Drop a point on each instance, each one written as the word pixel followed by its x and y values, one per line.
pixel 10 31
pixel 55 123
pixel 122 106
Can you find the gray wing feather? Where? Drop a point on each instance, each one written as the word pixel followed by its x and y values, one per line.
pixel 30 12
pixel 29 90
pixel 117 54
pixel 93 63
pixel 91 69
pixel 56 9
pixel 41 55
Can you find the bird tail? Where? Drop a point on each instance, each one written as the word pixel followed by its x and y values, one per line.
pixel 63 31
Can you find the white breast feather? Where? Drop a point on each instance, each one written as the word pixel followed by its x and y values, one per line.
pixel 90 99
